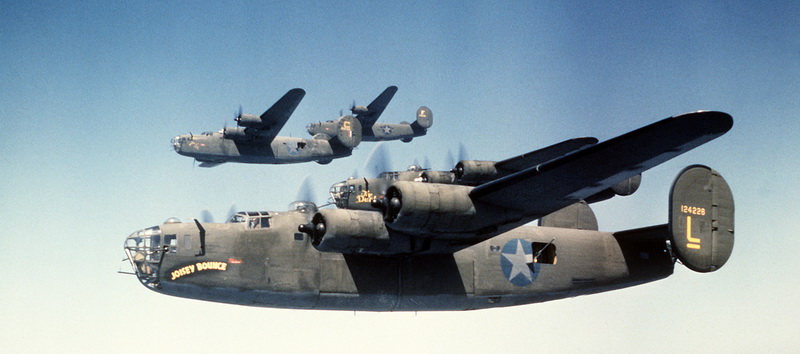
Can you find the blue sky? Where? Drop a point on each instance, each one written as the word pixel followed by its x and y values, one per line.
pixel 91 93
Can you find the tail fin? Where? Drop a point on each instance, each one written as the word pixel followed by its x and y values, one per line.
pixel 348 132
pixel 701 219
pixel 424 120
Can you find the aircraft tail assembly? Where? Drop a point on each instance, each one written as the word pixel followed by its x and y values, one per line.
pixel 424 120
pixel 699 231
pixel 701 219
pixel 348 132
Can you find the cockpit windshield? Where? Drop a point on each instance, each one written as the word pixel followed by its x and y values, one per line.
pixel 339 193
pixel 251 219
pixel 337 190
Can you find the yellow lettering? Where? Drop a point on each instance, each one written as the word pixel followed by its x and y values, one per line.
pixel 693 210
pixel 198 267
pixel 694 243
pixel 365 197
pixel 346 125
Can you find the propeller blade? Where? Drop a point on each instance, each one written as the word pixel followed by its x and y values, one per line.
pixel 378 161
pixel 206 217
pixel 232 211
pixel 448 160
pixel 462 152
pixel 306 191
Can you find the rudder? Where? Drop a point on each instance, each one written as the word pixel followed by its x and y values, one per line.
pixel 348 131
pixel 424 117
pixel 701 219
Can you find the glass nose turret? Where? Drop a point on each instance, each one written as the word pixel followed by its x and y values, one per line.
pixel 145 249
pixel 176 143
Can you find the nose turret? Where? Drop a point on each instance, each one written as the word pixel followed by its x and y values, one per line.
pixel 145 249
pixel 178 141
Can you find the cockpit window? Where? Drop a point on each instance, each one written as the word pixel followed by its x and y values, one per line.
pixel 251 219
pixel 237 219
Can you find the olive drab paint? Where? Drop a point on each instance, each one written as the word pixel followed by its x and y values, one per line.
pixel 420 240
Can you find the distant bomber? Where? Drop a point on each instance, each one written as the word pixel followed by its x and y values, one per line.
pixel 373 131
pixel 256 140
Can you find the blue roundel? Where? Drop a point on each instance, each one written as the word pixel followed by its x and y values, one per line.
pixel 516 261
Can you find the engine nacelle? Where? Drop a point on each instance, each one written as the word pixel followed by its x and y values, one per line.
pixel 427 207
pixel 474 172
pixel 248 120
pixel 348 231
pixel 443 177
pixel 624 188
pixel 359 110
pixel 235 133
pixel 628 186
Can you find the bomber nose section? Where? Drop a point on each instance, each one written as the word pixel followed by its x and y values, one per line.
pixel 145 250
pixel 177 143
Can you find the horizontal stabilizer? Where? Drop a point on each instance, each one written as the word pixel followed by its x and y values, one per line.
pixel 701 219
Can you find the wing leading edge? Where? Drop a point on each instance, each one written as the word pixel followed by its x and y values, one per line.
pixel 533 158
pixel 550 186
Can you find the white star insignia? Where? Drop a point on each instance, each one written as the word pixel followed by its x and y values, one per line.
pixel 519 262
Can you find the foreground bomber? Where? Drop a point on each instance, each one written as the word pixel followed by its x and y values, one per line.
pixel 458 241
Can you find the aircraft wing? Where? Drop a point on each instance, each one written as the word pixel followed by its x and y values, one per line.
pixel 542 189
pixel 375 109
pixel 533 158
pixel 273 120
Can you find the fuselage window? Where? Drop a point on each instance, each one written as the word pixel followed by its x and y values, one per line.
pixel 546 252
pixel 172 241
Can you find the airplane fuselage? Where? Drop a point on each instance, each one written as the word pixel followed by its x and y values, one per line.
pixel 261 264
pixel 391 131
pixel 213 147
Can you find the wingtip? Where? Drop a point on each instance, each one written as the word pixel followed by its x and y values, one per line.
pixel 715 120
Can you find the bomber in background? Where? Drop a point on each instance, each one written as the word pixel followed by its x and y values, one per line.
pixel 363 193
pixel 373 131
pixel 255 139
pixel 462 244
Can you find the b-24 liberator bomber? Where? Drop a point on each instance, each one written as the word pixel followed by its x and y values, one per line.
pixel 367 193
pixel 373 131
pixel 449 246
pixel 256 140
